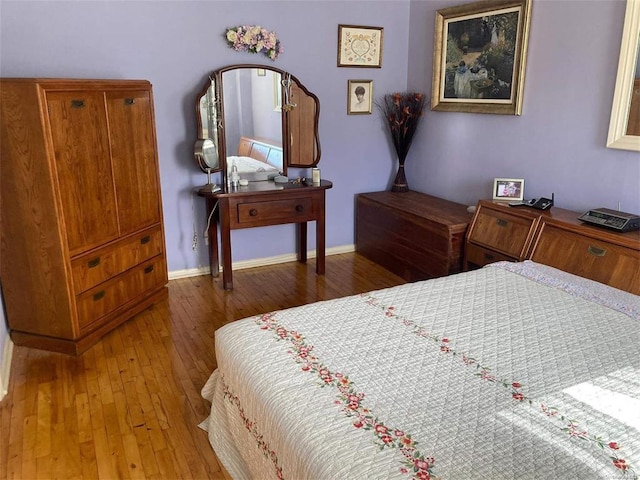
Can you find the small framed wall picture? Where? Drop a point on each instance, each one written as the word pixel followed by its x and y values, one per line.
pixel 359 97
pixel 508 189
pixel 359 46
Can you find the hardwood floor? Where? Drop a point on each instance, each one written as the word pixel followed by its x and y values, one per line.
pixel 130 406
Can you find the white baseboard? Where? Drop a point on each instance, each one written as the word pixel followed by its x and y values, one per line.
pixel 259 262
pixel 5 368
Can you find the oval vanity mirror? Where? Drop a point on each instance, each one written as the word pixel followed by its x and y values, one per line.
pixel 206 155
pixel 260 120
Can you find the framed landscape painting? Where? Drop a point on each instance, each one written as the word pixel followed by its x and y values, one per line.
pixel 480 57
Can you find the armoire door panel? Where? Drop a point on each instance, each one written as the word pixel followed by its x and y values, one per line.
pixel 133 156
pixel 83 167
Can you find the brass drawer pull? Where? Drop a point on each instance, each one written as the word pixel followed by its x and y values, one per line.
pixel 98 296
pixel 299 208
pixel 129 101
pixel 596 251
pixel 253 212
pixel 93 263
pixel 501 222
pixel 148 269
pixel 77 103
pixel 145 239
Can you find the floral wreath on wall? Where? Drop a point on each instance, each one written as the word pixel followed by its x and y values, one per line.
pixel 254 39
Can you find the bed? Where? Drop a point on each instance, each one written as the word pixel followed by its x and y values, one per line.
pixel 515 370
pixel 257 159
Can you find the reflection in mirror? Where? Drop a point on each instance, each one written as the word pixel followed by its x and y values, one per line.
pixel 633 125
pixel 624 128
pixel 209 113
pixel 258 113
pixel 252 122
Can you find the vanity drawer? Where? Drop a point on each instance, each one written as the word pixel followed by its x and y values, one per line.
pixel 103 299
pixel 92 269
pixel 480 256
pixel 290 210
pixel 503 232
pixel 576 252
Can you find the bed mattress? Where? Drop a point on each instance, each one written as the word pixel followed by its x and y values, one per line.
pixel 251 169
pixel 511 371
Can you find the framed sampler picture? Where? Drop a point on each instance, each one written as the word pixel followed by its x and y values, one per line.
pixel 359 46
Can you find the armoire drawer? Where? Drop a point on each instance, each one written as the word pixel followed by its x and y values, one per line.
pixel 294 209
pixel 92 269
pixel 94 304
pixel 502 231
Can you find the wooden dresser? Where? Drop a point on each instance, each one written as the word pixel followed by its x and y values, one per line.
pixel 82 235
pixel 554 237
pixel 415 235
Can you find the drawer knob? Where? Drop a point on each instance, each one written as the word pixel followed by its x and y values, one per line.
pixel 98 296
pixel 299 208
pixel 77 103
pixel 129 101
pixel 253 212
pixel 501 222
pixel 488 256
pixel 93 262
pixel 148 269
pixel 596 251
pixel 145 239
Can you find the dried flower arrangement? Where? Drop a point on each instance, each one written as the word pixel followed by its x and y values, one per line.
pixel 403 112
pixel 254 39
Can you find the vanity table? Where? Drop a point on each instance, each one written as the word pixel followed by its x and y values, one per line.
pixel 262 204
pixel 237 105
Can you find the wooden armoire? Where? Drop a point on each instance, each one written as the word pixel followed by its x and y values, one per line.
pixel 83 245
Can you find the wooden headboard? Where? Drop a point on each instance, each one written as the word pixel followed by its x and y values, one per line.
pixel 263 150
pixel 556 238
pixel 592 252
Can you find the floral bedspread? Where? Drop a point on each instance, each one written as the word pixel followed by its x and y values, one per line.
pixel 504 372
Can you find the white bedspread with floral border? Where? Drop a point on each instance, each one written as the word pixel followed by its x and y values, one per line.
pixel 513 371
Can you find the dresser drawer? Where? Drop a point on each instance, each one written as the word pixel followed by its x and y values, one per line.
pixel 92 269
pixel 576 252
pixel 480 256
pixel 94 304
pixel 276 211
pixel 503 232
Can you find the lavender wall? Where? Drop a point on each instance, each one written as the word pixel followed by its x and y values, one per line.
pixel 556 145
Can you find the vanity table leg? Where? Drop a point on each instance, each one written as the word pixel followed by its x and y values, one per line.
pixel 301 241
pixel 225 240
pixel 320 245
pixel 212 232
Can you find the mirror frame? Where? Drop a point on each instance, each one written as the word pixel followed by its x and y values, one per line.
pixel 215 79
pixel 629 50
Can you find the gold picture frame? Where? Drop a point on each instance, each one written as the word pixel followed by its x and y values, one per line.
pixel 360 46
pixel 480 57
pixel 359 97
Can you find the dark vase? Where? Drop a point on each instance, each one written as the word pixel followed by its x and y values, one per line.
pixel 400 182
